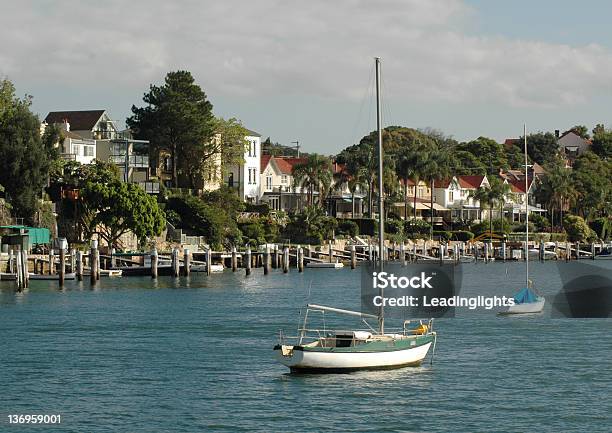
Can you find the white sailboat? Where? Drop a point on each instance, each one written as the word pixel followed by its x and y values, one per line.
pixel 322 350
pixel 526 301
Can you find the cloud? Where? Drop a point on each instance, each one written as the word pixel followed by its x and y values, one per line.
pixel 285 47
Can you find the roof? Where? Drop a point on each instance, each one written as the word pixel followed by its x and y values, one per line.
pixel 252 133
pixel 509 142
pixel 471 182
pixel 443 183
pixel 265 159
pixel 82 120
pixel 518 186
pixel 70 134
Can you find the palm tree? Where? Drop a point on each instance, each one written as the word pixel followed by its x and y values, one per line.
pixel 314 174
pixel 490 195
pixel 353 176
pixel 435 164
pixel 407 168
pixel 557 188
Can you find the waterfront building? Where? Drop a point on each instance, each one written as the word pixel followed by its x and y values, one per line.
pixel 245 177
pixel 277 186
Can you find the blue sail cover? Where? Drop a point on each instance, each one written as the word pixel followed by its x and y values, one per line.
pixel 525 296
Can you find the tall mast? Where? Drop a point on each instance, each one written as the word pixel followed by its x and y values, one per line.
pixel 526 208
pixel 381 211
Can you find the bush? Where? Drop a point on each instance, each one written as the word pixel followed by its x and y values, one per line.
pixel 540 222
pixel 253 232
pixel 416 229
pixel 347 228
pixel 442 235
pixel 577 229
pixel 602 227
pixel 261 208
pixel 462 236
pixel 521 228
pixel 394 227
pixel 483 227
pixel 311 226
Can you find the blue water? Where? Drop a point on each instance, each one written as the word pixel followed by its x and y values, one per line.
pixel 195 354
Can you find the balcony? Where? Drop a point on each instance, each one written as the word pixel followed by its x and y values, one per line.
pixel 135 161
pixel 150 187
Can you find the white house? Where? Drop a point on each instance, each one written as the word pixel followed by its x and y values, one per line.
pixel 277 187
pixel 455 194
pixel 245 177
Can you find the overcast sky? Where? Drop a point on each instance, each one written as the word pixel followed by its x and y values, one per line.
pixel 303 70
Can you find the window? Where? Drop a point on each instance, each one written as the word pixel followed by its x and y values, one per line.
pixel 254 148
pixel 451 195
pixel 274 203
pixel 168 163
pixel 268 182
pixel 88 151
pixel 284 178
pixel 76 149
pixel 230 180
pixel 249 176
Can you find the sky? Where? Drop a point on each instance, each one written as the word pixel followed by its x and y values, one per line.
pixel 303 70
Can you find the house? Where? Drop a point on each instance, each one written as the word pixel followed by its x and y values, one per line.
pixel 341 202
pixel 423 199
pixel 515 204
pixel 276 182
pixel 454 196
pixel 572 145
pixel 92 135
pixel 245 177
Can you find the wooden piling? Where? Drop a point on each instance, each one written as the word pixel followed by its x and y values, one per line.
pixel 98 264
pixel 593 251
pixel 208 261
pixel 62 267
pixel 79 265
pixel 51 262
pixel 154 261
pixel 577 250
pixel 285 260
pixel 174 256
pixel 113 259
pixel 186 262
pixel 93 266
pixel 330 252
pixel 266 260
pixel 234 259
pixel 503 251
pixel 300 259
pixel 275 257
pixel 248 262
pixel 353 257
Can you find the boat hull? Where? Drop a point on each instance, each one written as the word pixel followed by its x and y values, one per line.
pixel 299 359
pixel 526 308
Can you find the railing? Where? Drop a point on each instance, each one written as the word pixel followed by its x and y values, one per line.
pixel 150 187
pixel 135 161
pixel 68 156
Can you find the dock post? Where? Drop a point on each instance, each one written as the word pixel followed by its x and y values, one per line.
pixel 113 260
pixel 353 257
pixel 51 262
pixel 247 261
pixel 208 261
pixel 19 274
pixel 593 251
pixel 186 262
pixel 93 266
pixel 35 265
pixel 567 251
pixel 285 260
pixel 441 253
pixel 79 265
pixel 62 267
pixel 300 259
pixel 369 250
pixel 403 253
pixel 266 260
pixel 234 259
pixel 154 260
pixel 98 264
pixel 331 252
pixel 486 252
pixel 275 257
pixel 577 250
pixel 73 260
pixel 503 251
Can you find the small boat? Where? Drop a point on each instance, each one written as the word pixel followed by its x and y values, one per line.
pixel 336 265
pixel 105 272
pixel 340 351
pixel 328 351
pixel 526 301
pixel 202 268
pixel 67 276
pixel 605 254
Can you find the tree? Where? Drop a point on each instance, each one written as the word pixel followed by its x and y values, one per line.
pixel 491 195
pixel 178 119
pixel 436 164
pixel 111 207
pixel 557 188
pixel 593 186
pixel 314 174
pixel 541 146
pixel 25 158
pixel 577 229
pixel 581 130
pixel 602 142
pixel 353 176
pixel 488 152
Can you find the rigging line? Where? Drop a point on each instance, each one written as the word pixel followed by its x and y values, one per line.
pixel 355 133
pixel 386 108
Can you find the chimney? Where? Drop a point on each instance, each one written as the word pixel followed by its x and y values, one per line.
pixel 557 133
pixel 66 125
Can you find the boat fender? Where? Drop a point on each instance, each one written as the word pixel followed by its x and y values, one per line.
pixel 420 330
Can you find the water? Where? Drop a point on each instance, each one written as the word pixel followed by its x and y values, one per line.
pixel 196 355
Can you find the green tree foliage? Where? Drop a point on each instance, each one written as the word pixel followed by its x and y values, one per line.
pixel 178 118
pixel 214 216
pixel 314 174
pixel 602 227
pixel 489 153
pixel 602 142
pixel 592 182
pixel 581 130
pixel 25 158
pixel 311 226
pixel 577 229
pixel 541 146
pixel 557 189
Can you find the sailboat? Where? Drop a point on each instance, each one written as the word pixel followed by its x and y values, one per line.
pixel 526 301
pixel 327 351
